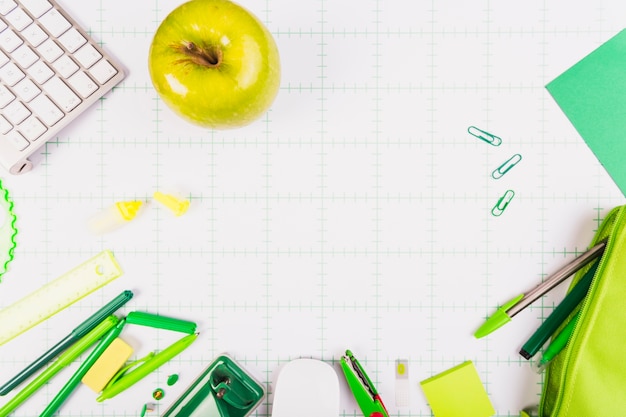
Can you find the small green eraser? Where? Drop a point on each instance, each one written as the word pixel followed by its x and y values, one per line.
pixel 107 365
pixel 458 392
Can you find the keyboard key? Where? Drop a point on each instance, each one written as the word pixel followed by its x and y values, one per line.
pixel 17 140
pixel 9 41
pixel 3 25
pixel 3 58
pixel 49 50
pixel 26 90
pixel 10 74
pixel 36 7
pixel 72 40
pixel 34 34
pixel 5 96
pixel 16 112
pixel 61 94
pixel 40 72
pixel 6 6
pixel 54 22
pixel 5 126
pixel 84 85
pixel 24 56
pixel 87 56
pixel 32 128
pixel 19 19
pixel 102 71
pixel 46 110
pixel 65 66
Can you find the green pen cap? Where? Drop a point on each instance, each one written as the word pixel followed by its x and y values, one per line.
pixel 161 322
pixel 498 319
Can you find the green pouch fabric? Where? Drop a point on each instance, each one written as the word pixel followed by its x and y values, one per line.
pixel 588 378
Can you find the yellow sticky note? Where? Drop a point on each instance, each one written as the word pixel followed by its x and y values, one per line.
pixel 107 365
pixel 458 392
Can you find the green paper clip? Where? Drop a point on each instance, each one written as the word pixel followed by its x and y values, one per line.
pixel 506 166
pixel 484 136
pixel 224 389
pixel 502 203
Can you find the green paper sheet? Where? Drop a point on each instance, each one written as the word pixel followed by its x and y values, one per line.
pixel 458 392
pixel 592 94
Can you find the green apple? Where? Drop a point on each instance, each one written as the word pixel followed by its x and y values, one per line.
pixel 215 64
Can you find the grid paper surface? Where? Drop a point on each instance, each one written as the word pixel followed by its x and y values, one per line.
pixel 355 214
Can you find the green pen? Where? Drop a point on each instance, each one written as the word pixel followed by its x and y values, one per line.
pixel 62 361
pixel 147 367
pixel 73 382
pixel 505 313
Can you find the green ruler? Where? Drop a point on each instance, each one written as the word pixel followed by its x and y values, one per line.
pixel 58 294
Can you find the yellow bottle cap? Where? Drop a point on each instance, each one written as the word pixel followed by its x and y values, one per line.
pixel 178 207
pixel 128 209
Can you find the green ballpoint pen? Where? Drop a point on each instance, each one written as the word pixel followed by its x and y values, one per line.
pixel 505 313
pixel 73 382
pixel 80 331
pixel 62 361
pixel 147 367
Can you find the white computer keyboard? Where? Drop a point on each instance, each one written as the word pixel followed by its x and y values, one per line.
pixel 51 70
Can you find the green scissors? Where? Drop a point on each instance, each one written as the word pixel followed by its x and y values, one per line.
pixel 362 387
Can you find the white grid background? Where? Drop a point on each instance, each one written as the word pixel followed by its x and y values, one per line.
pixel 355 214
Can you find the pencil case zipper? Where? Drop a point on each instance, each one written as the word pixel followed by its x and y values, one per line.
pixel 563 373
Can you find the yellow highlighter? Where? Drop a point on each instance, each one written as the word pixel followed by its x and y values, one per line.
pixel 114 216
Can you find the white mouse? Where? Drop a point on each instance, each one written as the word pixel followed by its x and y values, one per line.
pixel 306 388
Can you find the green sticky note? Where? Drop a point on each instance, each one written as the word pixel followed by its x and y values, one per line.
pixel 592 94
pixel 458 392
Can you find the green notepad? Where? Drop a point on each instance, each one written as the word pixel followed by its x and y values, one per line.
pixel 458 392
pixel 592 94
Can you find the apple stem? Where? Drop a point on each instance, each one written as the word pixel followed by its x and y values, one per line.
pixel 210 56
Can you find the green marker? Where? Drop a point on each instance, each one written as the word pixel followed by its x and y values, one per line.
pixel 559 314
pixel 505 313
pixel 70 339
pixel 559 342
pixel 63 360
pixel 73 382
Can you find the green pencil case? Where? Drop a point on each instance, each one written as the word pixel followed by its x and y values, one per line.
pixel 588 377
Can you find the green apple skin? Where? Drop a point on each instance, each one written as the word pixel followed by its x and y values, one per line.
pixel 215 64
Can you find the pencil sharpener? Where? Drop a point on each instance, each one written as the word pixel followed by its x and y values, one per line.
pixel 223 389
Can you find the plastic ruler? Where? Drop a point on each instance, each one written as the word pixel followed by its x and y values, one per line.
pixel 57 295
